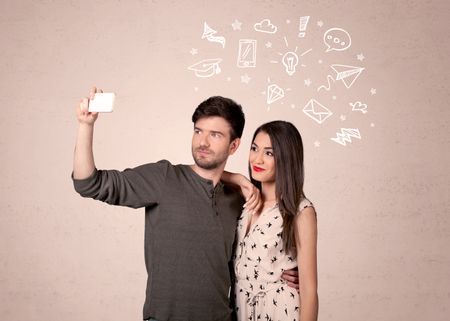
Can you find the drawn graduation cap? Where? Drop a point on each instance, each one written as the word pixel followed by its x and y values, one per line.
pixel 206 68
pixel 348 74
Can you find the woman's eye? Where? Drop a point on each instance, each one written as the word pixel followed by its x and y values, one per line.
pixel 253 148
pixel 269 154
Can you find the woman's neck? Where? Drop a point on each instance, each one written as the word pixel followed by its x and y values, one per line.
pixel 268 192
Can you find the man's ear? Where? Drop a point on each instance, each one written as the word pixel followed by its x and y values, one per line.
pixel 234 145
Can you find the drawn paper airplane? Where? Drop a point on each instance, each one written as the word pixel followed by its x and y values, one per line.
pixel 274 93
pixel 348 74
pixel 206 68
pixel 316 111
pixel 328 86
pixel 345 135
pixel 208 33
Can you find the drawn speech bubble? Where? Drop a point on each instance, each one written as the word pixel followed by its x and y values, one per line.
pixel 337 39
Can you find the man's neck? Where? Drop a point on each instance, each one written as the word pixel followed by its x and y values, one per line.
pixel 211 174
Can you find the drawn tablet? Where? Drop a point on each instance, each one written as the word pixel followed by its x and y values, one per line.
pixel 247 53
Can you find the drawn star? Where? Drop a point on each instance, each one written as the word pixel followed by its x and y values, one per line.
pixel 360 57
pixel 372 125
pixel 292 106
pixel 245 79
pixel 373 91
pixel 268 44
pixel 317 143
pixel 308 82
pixel 194 51
pixel 228 78
pixel 343 117
pixel 288 21
pixel 320 23
pixel 196 88
pixel 320 61
pixel 236 25
pixel 334 97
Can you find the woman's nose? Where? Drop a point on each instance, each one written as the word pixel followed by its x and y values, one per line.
pixel 259 158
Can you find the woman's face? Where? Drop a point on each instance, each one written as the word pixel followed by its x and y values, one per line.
pixel 262 159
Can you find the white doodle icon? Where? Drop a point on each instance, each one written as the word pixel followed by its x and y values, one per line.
pixel 359 106
pixel 274 93
pixel 290 59
pixel 245 79
pixel 337 39
pixel 265 26
pixel 316 111
pixel 348 74
pixel 236 25
pixel 206 68
pixel 345 136
pixel 328 86
pixel 209 34
pixel 247 53
pixel 302 26
pixel 290 62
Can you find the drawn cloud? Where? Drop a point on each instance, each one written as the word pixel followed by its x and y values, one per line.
pixel 265 26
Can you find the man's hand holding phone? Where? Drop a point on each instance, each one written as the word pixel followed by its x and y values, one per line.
pixel 97 102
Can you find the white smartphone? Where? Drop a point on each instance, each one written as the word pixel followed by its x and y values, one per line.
pixel 102 103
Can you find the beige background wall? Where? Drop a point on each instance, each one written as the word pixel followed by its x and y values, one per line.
pixel 382 201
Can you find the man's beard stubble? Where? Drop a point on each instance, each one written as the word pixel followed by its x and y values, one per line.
pixel 211 164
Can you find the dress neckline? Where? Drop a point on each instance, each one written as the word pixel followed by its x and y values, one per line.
pixel 249 226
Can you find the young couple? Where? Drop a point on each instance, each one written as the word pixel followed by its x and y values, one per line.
pixel 196 234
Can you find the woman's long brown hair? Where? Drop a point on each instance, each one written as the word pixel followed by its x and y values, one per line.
pixel 287 148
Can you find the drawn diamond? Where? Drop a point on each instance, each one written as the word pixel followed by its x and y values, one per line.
pixel 274 93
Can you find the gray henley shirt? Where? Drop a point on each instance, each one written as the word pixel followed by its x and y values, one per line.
pixel 189 233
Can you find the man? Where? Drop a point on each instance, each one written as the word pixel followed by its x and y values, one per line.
pixel 190 216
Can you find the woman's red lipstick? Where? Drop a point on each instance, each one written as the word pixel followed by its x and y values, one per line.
pixel 258 169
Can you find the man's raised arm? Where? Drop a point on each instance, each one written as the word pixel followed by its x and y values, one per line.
pixel 83 160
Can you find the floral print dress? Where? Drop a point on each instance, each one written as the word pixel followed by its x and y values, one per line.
pixel 260 293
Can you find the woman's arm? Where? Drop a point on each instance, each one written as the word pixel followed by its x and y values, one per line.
pixel 306 243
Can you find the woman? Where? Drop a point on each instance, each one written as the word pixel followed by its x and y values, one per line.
pixel 280 236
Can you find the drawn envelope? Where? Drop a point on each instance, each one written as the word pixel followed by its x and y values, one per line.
pixel 316 111
pixel 206 68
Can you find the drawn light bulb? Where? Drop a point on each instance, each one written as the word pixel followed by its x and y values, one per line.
pixel 290 62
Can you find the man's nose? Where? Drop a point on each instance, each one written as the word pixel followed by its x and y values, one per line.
pixel 204 141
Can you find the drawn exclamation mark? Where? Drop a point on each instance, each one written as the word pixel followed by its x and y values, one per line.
pixel 303 24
